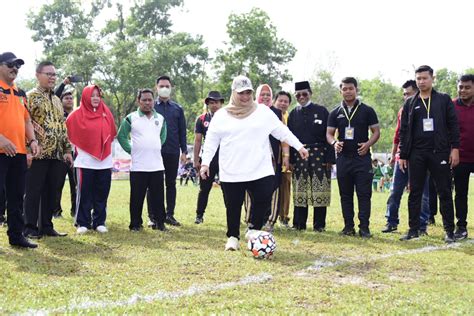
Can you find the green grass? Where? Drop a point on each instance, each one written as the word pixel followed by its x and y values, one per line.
pixel 115 266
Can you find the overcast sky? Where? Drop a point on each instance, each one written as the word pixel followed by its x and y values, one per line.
pixel 351 38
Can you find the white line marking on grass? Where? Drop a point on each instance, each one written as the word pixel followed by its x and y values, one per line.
pixel 158 296
pixel 319 264
pixel 326 262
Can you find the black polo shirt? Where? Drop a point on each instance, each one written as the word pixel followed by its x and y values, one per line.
pixel 364 117
pixel 421 140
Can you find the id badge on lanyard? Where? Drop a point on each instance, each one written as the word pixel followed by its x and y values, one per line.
pixel 349 133
pixel 428 123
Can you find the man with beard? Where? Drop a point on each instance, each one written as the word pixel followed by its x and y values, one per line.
pixel 213 103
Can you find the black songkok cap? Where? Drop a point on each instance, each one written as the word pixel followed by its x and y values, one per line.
pixel 302 85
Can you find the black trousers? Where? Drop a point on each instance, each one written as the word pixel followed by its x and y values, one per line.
pixel 301 216
pixel 3 201
pixel 260 191
pixel 420 162
pixel 355 172
pixel 171 163
pixel 66 170
pixel 461 184
pixel 205 186
pixel 433 198
pixel 140 182
pixel 12 179
pixel 42 184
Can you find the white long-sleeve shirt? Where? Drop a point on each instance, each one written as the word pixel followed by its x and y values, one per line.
pixel 245 153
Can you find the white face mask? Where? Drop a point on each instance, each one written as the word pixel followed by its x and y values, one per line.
pixel 164 92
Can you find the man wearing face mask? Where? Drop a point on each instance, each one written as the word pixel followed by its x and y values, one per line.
pixel 175 142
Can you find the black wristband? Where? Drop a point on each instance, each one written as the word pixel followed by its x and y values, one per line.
pixel 31 141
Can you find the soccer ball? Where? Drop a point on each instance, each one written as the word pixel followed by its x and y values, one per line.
pixel 262 245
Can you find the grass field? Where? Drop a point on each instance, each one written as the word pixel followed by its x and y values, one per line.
pixel 186 270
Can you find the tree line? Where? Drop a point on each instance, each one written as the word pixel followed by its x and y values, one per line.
pixel 137 44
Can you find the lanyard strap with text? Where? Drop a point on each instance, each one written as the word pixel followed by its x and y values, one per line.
pixel 427 107
pixel 349 118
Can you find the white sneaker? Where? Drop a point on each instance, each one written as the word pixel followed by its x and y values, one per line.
pixel 82 230
pixel 251 233
pixel 102 229
pixel 232 244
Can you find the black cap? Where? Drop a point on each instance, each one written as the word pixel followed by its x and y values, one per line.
pixel 9 57
pixel 213 95
pixel 302 85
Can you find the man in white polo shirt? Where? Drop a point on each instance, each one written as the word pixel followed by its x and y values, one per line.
pixel 147 130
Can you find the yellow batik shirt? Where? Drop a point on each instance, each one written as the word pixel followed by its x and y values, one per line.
pixel 47 115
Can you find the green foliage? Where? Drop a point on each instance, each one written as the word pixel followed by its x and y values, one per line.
pixel 151 17
pixel 446 81
pixel 386 100
pixel 26 84
pixel 254 50
pixel 125 55
pixel 325 91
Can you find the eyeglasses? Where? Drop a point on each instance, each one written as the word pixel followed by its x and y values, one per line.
pixel 50 74
pixel 12 64
pixel 302 94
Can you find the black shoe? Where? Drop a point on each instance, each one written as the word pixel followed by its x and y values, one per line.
pixel 32 234
pixel 365 233
pixel 348 231
pixel 199 220
pixel 172 221
pixel 52 233
pixel 22 242
pixel 319 229
pixel 136 229
pixel 460 233
pixel 423 232
pixel 449 237
pixel 160 227
pixel 410 235
pixel 389 228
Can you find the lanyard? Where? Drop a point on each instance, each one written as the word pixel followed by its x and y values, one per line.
pixel 427 107
pixel 349 118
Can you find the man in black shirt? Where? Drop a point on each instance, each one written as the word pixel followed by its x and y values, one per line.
pixel 353 119
pixel 429 140
pixel 213 102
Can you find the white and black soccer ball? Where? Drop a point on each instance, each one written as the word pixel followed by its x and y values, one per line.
pixel 262 245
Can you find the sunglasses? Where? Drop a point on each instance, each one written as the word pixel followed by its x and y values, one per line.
pixel 302 94
pixel 12 64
